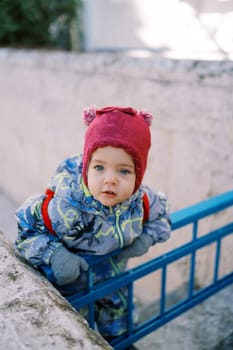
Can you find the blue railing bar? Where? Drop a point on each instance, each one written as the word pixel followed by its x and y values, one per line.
pixel 91 306
pixel 217 260
pixel 163 289
pixel 195 230
pixel 197 211
pixel 150 266
pixel 130 309
pixel 142 270
pixel 193 261
pixel 154 323
pixel 192 274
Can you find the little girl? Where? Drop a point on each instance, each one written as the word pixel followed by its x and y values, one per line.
pixel 95 204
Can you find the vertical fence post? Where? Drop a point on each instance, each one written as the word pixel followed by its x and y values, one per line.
pixel 217 260
pixel 91 306
pixel 163 289
pixel 193 261
pixel 130 309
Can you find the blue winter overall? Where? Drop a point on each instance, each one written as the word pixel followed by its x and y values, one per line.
pixel 87 228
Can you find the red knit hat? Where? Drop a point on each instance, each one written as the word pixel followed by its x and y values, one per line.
pixel 122 127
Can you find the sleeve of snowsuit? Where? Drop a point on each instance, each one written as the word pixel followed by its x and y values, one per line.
pixel 158 224
pixel 34 242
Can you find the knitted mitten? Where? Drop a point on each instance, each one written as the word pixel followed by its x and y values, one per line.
pixel 66 266
pixel 138 247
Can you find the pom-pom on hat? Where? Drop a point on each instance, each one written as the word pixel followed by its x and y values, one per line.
pixel 122 127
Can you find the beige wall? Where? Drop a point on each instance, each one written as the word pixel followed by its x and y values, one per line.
pixel 42 96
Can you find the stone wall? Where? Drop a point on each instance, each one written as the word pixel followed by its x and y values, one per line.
pixel 42 95
pixel 33 314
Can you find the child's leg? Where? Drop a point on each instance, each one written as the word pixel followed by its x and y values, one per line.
pixel 111 314
pixel 112 310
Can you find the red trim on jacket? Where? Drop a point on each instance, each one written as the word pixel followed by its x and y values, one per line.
pixel 44 211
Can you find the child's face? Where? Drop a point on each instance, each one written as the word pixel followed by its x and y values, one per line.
pixel 111 175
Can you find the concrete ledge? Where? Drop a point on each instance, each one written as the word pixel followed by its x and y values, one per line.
pixel 33 315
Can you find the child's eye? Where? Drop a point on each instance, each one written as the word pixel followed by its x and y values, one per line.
pixel 124 171
pixel 99 167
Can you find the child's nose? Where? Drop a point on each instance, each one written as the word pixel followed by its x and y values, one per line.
pixel 110 178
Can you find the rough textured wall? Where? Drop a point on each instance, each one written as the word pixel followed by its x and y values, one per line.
pixel 42 95
pixel 33 315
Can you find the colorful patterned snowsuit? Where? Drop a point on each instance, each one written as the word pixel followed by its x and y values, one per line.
pixel 86 227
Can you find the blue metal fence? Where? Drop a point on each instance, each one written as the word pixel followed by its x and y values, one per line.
pixel 188 216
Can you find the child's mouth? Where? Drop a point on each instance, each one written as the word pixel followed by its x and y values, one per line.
pixel 109 193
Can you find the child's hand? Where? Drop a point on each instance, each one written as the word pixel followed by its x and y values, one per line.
pixel 66 266
pixel 139 247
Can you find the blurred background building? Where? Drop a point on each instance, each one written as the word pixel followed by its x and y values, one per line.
pixel 174 28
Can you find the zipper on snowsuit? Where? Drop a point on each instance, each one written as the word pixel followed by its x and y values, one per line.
pixel 118 230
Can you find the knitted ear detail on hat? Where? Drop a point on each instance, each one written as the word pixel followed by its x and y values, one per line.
pixel 109 109
pixel 147 116
pixel 89 114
